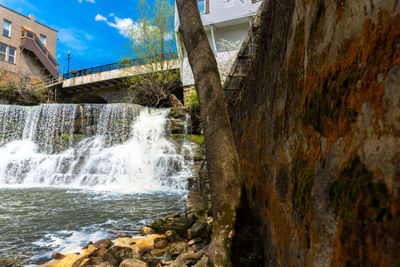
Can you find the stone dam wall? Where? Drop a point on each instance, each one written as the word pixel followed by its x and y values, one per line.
pixel 317 129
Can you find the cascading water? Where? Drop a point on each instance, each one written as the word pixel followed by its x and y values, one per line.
pixel 113 147
pixel 70 174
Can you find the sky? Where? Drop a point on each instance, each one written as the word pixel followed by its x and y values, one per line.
pixel 93 30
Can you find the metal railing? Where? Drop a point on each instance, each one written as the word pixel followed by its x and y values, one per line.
pixel 48 82
pixel 32 36
pixel 120 65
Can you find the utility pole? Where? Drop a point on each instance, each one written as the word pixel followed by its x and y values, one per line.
pixel 69 58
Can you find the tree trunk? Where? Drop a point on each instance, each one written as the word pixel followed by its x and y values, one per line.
pixel 222 159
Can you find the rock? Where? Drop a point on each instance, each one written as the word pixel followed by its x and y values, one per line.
pixel 99 252
pixel 101 264
pixel 57 256
pixel 117 254
pixel 133 263
pixel 199 229
pixel 104 243
pixel 178 248
pixel 161 226
pixel 93 261
pixel 203 262
pixel 146 231
pixel 10 262
pixel 87 245
pixel 187 259
pixel 172 236
pixel 160 243
pixel 194 241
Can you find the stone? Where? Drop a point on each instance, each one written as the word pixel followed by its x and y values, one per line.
pixel 57 256
pixel 117 254
pixel 104 243
pixel 199 229
pixel 133 263
pixel 93 261
pixel 99 252
pixel 172 236
pixel 161 226
pixel 203 262
pixel 194 241
pixel 146 231
pixel 177 249
pixel 160 243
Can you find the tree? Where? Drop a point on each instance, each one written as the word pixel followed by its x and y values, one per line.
pixel 222 159
pixel 154 71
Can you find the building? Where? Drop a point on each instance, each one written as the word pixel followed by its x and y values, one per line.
pixel 27 47
pixel 226 23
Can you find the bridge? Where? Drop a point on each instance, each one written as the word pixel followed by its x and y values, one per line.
pixel 103 84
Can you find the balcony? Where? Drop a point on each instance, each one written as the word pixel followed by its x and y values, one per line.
pixel 31 42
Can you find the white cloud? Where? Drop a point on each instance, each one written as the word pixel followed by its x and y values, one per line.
pixel 100 18
pixel 90 1
pixel 111 15
pixel 74 39
pixel 122 25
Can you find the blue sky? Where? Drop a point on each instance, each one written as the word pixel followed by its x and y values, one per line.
pixel 91 29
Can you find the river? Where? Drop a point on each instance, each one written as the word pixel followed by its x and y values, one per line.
pixel 70 174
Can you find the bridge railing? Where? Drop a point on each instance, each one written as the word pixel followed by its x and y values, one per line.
pixel 45 83
pixel 120 65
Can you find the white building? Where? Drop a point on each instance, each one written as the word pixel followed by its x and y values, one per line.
pixel 226 23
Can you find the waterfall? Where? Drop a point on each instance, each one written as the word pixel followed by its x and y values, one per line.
pixel 122 147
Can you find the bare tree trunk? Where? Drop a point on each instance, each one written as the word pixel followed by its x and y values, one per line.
pixel 222 159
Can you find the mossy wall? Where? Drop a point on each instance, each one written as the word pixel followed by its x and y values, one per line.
pixel 317 128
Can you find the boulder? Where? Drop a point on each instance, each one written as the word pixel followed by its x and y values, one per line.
pixel 161 226
pixel 117 254
pixel 177 249
pixel 199 229
pixel 194 241
pixel 203 262
pixel 160 243
pixel 172 236
pixel 146 231
pixel 104 243
pixel 133 263
pixel 57 256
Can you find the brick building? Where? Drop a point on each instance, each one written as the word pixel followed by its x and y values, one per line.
pixel 27 47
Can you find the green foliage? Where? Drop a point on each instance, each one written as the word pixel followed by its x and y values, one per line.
pixel 193 102
pixel 198 138
pixel 152 39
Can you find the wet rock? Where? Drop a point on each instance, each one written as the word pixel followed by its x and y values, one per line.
pixel 172 236
pixel 187 259
pixel 57 256
pixel 133 263
pixel 161 226
pixel 116 255
pixel 10 262
pixel 203 262
pixel 104 243
pixel 99 252
pixel 178 248
pixel 146 231
pixel 199 229
pixel 160 243
pixel 93 261
pixel 87 245
pixel 101 264
pixel 194 241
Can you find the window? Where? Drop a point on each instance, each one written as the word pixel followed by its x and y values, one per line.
pixel 202 6
pixel 3 52
pixel 11 55
pixel 7 28
pixel 43 39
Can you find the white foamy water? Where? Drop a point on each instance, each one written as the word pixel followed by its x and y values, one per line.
pixel 115 147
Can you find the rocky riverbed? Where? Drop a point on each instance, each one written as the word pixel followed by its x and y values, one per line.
pixel 176 240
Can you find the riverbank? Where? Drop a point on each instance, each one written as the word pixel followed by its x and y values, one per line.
pixel 175 240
